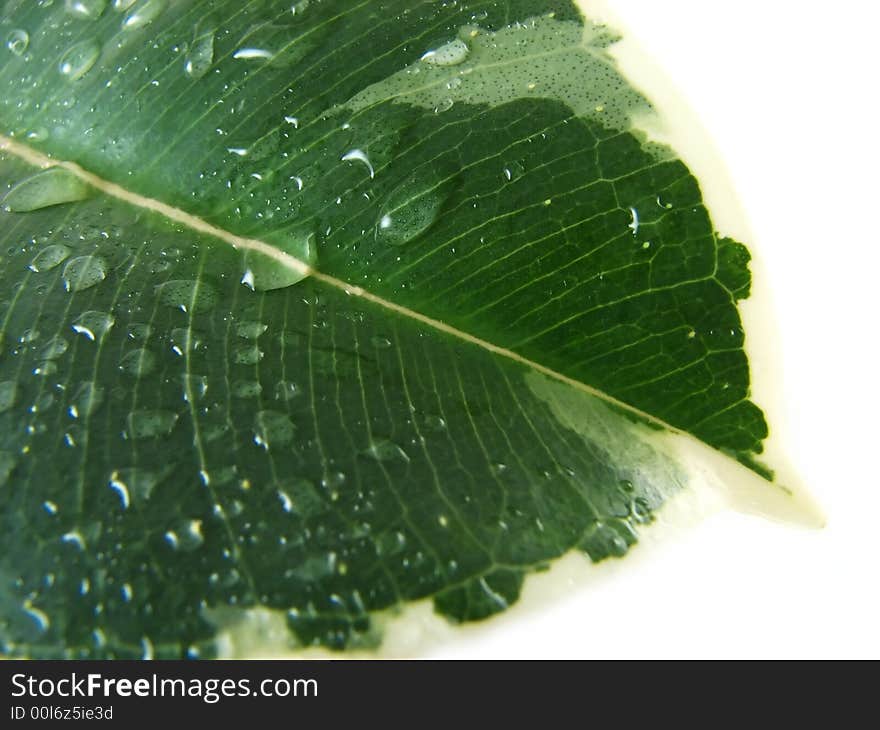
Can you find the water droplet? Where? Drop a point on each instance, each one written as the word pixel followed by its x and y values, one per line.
pixel 299 7
pixel 79 59
pixel 246 389
pixel 272 429
pixel 360 156
pixel 143 13
pixel 410 210
pixel 390 543
pixel 17 41
pixel 7 464
pixel 187 295
pixel 120 6
pixel 252 54
pixel 89 397
pixel 29 336
pixel 384 450
pixel 186 536
pixel 49 257
pixel 87 9
pixel 54 348
pixel 248 355
pixel 195 387
pixel 449 54
pixel 285 390
pixel 139 331
pixel 8 395
pixel 498 468
pixel 150 424
pixel 93 325
pixel 333 480
pixel 48 187
pixel 45 369
pixel 435 423
pixel 300 496
pixel 201 51
pixel 380 343
pixel 250 330
pixel 138 363
pixel 84 272
pixel 444 106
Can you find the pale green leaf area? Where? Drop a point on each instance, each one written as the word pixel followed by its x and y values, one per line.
pixel 334 307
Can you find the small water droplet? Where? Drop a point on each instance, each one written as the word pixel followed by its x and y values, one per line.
pixel 185 536
pixel 449 54
pixel 49 257
pixel 286 390
pixel 435 423
pixel 45 369
pixel 54 348
pixel 385 450
pixel 79 59
pixel 54 186
pixel 444 106
pixel 93 325
pixel 246 389
pixel 17 41
pixel 410 210
pixel 195 387
pixel 89 397
pixel 86 9
pixel 138 363
pixel 143 13
pixel 139 331
pixel 8 395
pixel 272 429
pixel 150 424
pixel 380 343
pixel 84 272
pixel 250 330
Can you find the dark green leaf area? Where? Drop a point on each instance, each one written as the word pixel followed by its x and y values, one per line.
pixel 178 450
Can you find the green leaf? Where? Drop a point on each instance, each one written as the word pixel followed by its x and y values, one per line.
pixel 333 307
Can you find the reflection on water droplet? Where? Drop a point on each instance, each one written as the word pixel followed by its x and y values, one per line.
pixel 54 348
pixel 87 9
pixel 449 54
pixel 46 368
pixel 93 325
pixel 250 330
pixel 49 257
pixel 360 156
pixel 84 272
pixel 54 186
pixel 251 54
pixel 272 429
pixel 138 363
pixel 384 450
pixel 120 6
pixel 150 424
pixel 201 51
pixel 79 59
pixel 143 13
pixel 8 395
pixel 187 295
pixel 17 41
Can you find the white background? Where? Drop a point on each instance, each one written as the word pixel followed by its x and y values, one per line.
pixel 788 92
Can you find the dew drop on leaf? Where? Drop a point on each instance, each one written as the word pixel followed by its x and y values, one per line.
pixel 49 257
pixel 138 363
pixel 143 13
pixel 48 187
pixel 8 395
pixel 54 348
pixel 246 389
pixel 146 424
pixel 272 428
pixel 84 272
pixel 384 450
pixel 250 330
pixel 449 54
pixel 248 355
pixel 87 9
pixel 7 464
pixel 201 52
pixel 89 397
pixel 78 60
pixel 17 41
pixel 187 295
pixel 93 325
pixel 410 210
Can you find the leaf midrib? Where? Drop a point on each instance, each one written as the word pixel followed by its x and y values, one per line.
pixel 241 243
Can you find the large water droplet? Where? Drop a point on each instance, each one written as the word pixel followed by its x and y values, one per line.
pixel 248 355
pixel 250 330
pixel 89 397
pixel 8 395
pixel 88 9
pixel 54 348
pixel 201 51
pixel 449 54
pixel 360 156
pixel 93 325
pixel 411 209
pixel 263 273
pixel 138 363
pixel 143 13
pixel 246 389
pixel 84 272
pixel 17 41
pixel 79 59
pixel 137 483
pixel 300 496
pixel 272 429
pixel 49 257
pixel 150 424
pixel 48 187
pixel 187 295
pixel 195 387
